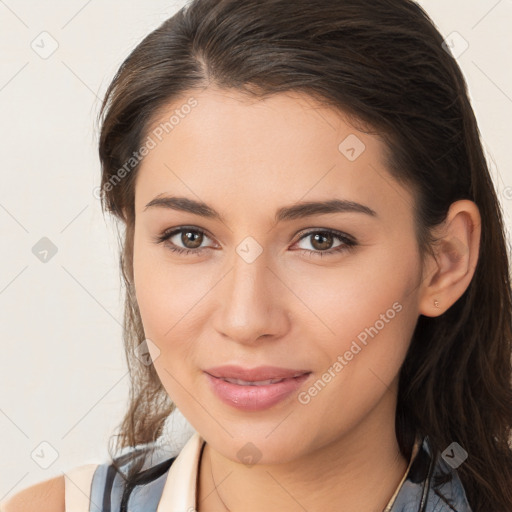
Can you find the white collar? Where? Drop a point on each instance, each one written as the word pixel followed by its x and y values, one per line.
pixel 179 494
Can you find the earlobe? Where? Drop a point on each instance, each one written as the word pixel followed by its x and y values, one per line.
pixel 456 255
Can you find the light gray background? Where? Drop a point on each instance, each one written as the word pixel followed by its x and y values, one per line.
pixel 63 379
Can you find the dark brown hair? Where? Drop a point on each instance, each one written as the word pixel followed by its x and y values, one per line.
pixel 381 62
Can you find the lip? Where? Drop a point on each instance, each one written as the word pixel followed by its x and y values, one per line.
pixel 255 397
pixel 254 374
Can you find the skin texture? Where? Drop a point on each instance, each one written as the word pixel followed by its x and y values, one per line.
pixel 246 158
pixel 47 496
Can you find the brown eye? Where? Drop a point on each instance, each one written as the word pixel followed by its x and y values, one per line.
pixel 191 239
pixel 184 240
pixel 326 242
pixel 322 241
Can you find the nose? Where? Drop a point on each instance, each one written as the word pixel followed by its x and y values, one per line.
pixel 251 300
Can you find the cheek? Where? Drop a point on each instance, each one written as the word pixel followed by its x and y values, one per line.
pixel 364 317
pixel 167 304
pixel 173 301
pixel 351 297
pixel 370 326
pixel 168 295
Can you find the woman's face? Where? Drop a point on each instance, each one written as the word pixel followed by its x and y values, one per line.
pixel 263 284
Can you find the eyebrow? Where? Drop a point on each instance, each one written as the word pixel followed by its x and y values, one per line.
pixel 295 211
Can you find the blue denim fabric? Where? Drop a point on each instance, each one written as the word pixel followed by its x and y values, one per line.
pixel 430 486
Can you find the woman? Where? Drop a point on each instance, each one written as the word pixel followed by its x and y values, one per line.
pixel 316 268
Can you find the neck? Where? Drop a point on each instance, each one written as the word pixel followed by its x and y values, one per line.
pixel 359 470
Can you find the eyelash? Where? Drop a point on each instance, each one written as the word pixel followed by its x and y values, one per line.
pixel 348 242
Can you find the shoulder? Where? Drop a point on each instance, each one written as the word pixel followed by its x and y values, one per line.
pixel 67 491
pixel 46 496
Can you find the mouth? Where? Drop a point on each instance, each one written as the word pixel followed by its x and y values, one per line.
pixel 255 395
pixel 255 383
pixel 261 375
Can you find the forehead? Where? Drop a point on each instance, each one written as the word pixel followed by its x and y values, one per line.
pixel 262 153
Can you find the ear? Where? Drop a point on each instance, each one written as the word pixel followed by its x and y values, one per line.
pixel 447 276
